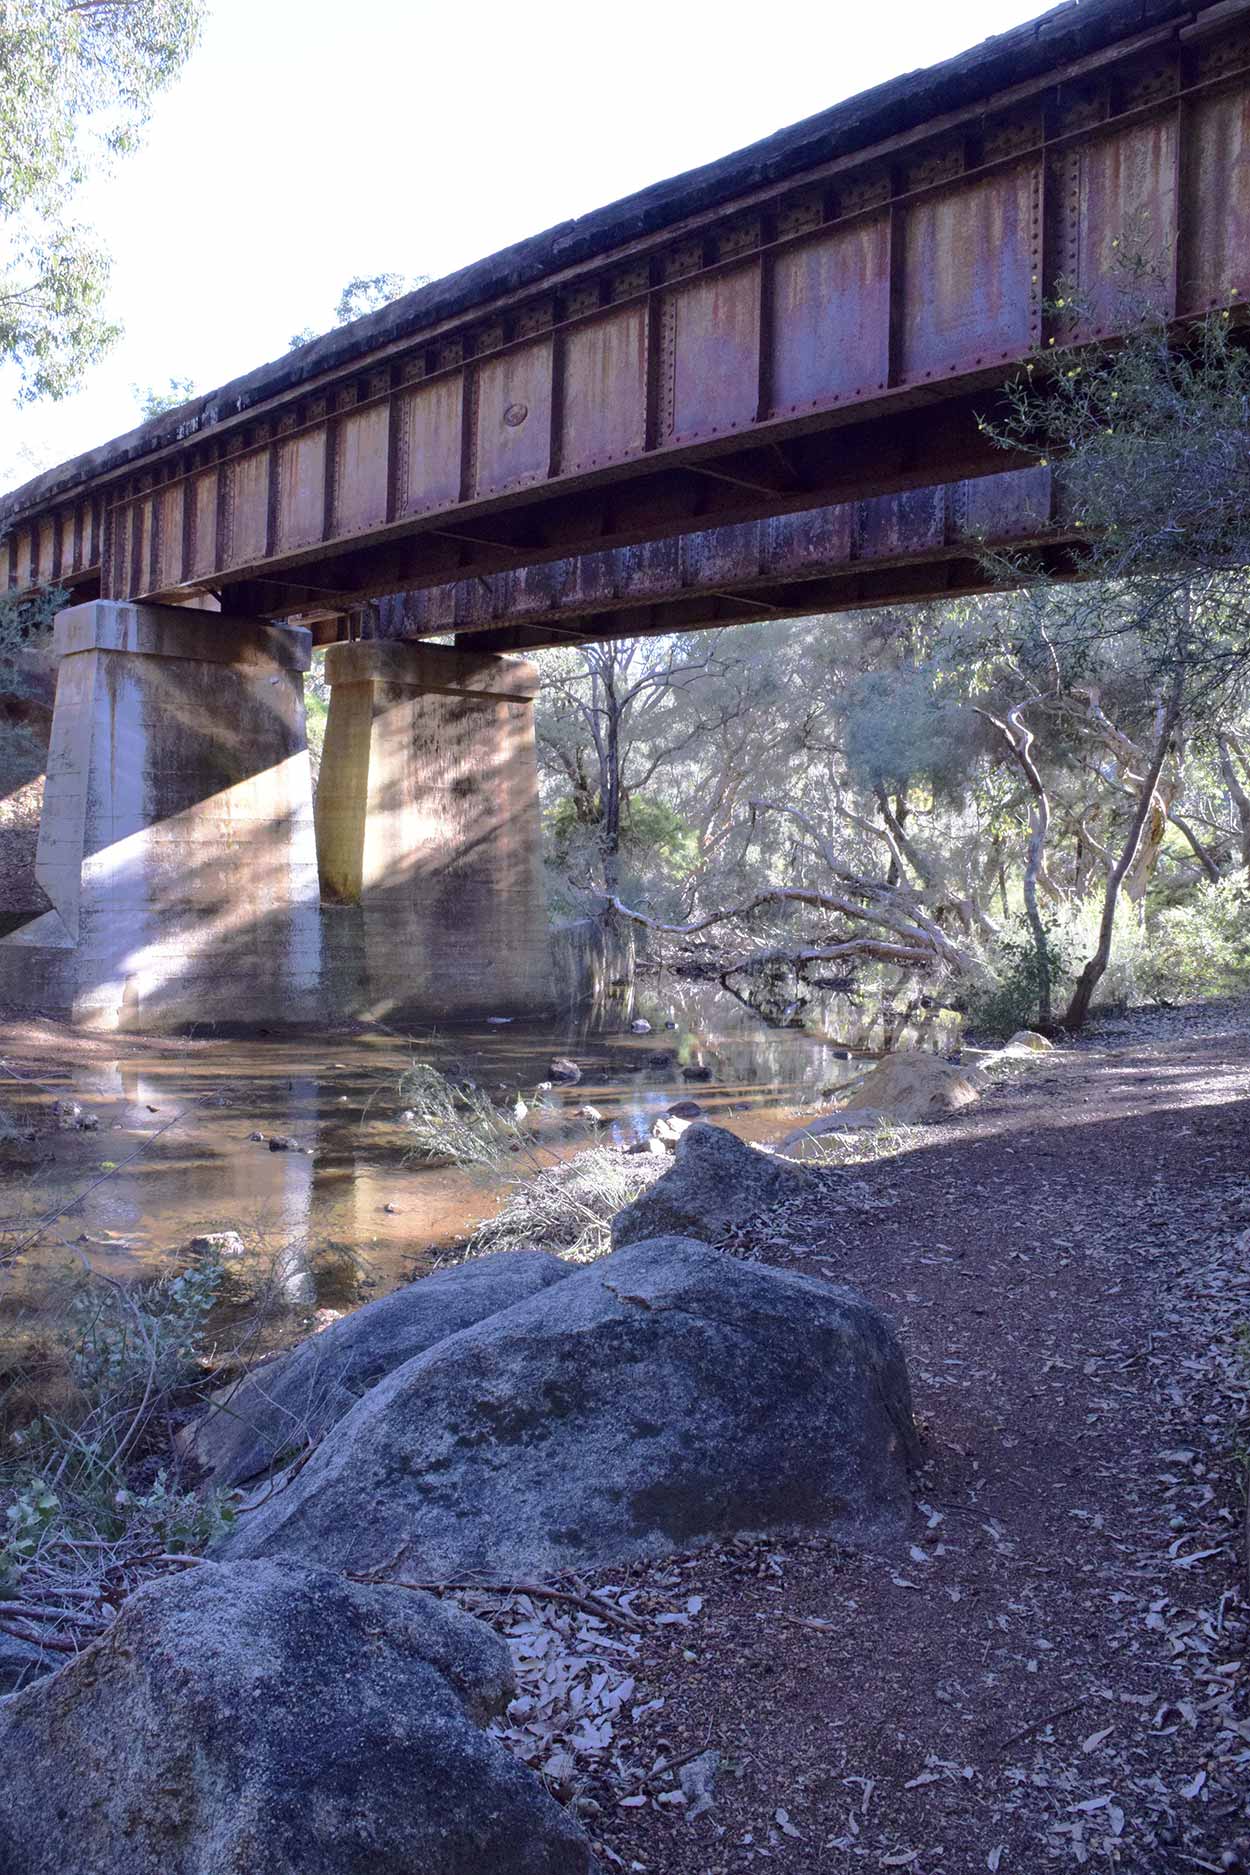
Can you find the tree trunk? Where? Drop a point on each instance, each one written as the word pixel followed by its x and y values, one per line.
pixel 1241 799
pixel 1019 739
pixel 1077 1012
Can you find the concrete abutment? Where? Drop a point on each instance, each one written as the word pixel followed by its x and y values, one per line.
pixel 176 851
pixel 428 833
pixel 177 860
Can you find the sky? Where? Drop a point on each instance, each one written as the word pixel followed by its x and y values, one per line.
pixel 308 141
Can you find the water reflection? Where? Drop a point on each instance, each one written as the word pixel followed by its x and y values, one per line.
pixel 342 1210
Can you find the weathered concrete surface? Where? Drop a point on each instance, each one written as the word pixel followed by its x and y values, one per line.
pixel 176 846
pixel 428 834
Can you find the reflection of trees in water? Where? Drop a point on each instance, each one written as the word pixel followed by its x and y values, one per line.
pixel 885 1009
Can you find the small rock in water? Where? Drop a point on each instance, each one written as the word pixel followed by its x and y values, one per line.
pixel 669 1128
pixel 71 1118
pixel 217 1244
pixel 591 1115
pixel 641 1026
pixel 562 1069
pixel 696 1073
pixel 282 1142
pixel 391 1209
pixel 258 1138
pixel 659 1062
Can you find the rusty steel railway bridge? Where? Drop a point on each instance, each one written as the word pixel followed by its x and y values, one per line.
pixel 749 391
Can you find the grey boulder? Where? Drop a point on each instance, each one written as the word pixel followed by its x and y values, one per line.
pixel 716 1181
pixel 279 1409
pixel 666 1395
pixel 23 1661
pixel 256 1719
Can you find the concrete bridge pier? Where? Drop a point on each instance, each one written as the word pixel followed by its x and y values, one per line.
pixel 176 850
pixel 428 834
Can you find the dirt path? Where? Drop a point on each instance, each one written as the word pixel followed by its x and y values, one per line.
pixel 1053 1673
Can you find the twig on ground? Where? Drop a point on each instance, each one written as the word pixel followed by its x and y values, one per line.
pixel 1039 1724
pixel 589 1604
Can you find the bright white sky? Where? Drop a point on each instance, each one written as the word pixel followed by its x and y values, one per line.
pixel 311 140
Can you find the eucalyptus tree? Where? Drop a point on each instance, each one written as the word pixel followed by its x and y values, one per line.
pixel 77 82
pixel 617 718
pixel 1149 438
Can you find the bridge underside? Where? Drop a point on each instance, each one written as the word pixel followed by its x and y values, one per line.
pixel 897 549
pixel 819 319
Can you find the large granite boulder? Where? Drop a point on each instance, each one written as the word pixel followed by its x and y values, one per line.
pixel 913 1085
pixel 715 1182
pixel 23 1661
pixel 665 1395
pixel 279 1409
pixel 257 1719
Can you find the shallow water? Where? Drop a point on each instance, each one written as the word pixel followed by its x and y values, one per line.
pixel 350 1211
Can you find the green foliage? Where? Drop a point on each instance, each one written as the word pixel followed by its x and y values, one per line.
pixel 653 835
pixel 76 86
pixel 1009 997
pixel 364 293
pixel 26 617
pixel 153 402
pixel 66 1480
pixel 52 320
pixel 1202 946
pixel 1006 999
pixel 901 728
pixel 1149 443
pixel 121 1345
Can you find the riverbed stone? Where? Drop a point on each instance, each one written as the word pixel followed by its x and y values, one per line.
pixel 913 1085
pixel 281 1408
pixel 805 1142
pixel 261 1719
pixel 716 1181
pixel 665 1396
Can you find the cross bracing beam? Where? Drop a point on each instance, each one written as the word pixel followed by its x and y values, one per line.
pixel 818 318
pixel 929 544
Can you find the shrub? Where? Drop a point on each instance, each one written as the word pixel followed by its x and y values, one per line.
pixel 82 1513
pixel 1007 1000
pixel 1201 947
pixel 568 1209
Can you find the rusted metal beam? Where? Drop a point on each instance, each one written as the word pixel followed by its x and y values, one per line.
pixel 818 318
pixel 925 544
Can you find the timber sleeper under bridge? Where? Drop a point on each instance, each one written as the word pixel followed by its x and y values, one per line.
pixel 734 395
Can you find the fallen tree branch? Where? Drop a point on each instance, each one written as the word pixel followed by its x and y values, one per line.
pixel 589 1604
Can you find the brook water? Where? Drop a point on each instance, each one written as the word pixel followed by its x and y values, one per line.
pixel 348 1211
